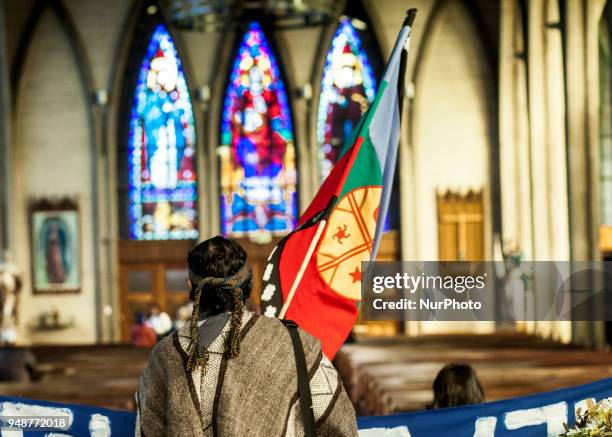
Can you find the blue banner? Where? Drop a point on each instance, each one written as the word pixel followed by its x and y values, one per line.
pixel 61 420
pixel 536 415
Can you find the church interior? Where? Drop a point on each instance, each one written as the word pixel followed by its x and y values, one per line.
pixel 117 121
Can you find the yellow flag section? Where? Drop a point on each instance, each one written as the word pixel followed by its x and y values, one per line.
pixel 348 240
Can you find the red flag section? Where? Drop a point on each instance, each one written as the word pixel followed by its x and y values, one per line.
pixel 323 314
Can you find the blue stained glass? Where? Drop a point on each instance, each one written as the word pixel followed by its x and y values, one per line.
pixel 257 152
pixel 348 87
pixel 161 149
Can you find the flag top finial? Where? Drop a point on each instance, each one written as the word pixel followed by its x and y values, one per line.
pixel 410 16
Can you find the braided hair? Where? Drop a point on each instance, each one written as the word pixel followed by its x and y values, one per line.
pixel 220 281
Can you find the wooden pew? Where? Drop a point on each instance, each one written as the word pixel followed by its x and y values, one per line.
pixel 388 376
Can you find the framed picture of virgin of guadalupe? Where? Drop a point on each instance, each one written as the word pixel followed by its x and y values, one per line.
pixel 56 246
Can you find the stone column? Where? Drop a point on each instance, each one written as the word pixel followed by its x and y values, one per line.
pixel 5 138
pixel 582 67
pixel 556 185
pixel 538 130
pixel 514 133
pixel 507 146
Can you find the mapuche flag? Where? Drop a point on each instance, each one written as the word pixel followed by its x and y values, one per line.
pixel 313 276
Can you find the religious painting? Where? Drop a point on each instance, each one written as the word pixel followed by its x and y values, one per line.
pixel 257 151
pixel 56 246
pixel 348 86
pixel 162 147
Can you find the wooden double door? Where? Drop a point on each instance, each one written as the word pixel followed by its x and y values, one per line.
pixel 155 273
pixel 460 226
pixel 152 273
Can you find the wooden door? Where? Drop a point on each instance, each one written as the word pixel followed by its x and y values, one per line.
pixel 460 238
pixel 155 273
pixel 140 290
pixel 152 273
pixel 460 226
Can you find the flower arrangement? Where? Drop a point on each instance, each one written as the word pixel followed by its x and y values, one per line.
pixel 595 421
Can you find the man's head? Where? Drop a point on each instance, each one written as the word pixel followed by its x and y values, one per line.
pixel 217 257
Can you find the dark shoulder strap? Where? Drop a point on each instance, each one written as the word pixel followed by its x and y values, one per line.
pixel 303 381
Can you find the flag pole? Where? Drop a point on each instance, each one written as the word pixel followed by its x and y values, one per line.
pixel 401 81
pixel 410 16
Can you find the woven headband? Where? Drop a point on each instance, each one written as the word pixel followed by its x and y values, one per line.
pixel 228 283
pixel 199 356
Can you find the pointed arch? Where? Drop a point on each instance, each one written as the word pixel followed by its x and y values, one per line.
pixel 258 177
pixel 68 25
pixel 157 169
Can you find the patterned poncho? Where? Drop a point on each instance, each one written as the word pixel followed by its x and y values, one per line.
pixel 253 394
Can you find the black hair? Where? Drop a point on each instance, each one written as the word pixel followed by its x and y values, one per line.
pixel 139 317
pixel 456 384
pixel 217 257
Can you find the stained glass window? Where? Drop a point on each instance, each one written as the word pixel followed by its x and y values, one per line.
pixel 161 148
pixel 347 88
pixel 257 153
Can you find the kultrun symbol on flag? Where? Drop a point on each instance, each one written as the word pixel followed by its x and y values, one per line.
pixel 348 240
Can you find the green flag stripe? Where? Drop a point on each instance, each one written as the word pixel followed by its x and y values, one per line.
pixel 366 169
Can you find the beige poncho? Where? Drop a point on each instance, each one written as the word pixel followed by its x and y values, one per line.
pixel 254 394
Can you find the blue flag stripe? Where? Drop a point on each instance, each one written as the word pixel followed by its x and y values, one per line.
pixel 384 132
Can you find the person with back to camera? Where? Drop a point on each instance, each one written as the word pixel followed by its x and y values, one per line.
pixel 229 372
pixel 141 334
pixel 160 321
pixel 455 385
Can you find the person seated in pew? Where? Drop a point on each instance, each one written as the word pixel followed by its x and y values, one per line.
pixel 455 385
pixel 18 365
pixel 160 321
pixel 141 334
